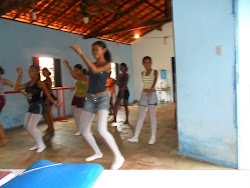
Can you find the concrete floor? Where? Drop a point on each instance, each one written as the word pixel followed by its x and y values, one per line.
pixel 65 147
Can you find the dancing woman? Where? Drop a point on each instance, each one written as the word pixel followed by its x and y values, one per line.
pixel 98 101
pixel 33 88
pixel 48 117
pixel 82 82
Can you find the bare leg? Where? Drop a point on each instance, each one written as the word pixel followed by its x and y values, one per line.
pixel 48 117
pixel 3 139
pixel 126 111
pixel 116 108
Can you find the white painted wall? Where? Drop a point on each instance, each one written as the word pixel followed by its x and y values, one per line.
pixel 160 53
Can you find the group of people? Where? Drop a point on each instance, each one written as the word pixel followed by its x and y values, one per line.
pixel 93 94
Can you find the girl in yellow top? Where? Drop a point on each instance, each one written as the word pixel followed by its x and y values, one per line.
pixel 148 99
pixel 82 82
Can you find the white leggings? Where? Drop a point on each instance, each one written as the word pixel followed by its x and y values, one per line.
pixel 141 117
pixel 102 129
pixel 77 114
pixel 30 124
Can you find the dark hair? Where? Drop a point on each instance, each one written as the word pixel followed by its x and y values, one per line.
pixel 85 72
pixel 124 65
pixel 78 66
pixel 147 57
pixel 107 54
pixel 1 70
pixel 46 69
pixel 35 67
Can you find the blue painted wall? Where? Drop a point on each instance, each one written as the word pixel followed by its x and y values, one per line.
pixel 205 82
pixel 20 42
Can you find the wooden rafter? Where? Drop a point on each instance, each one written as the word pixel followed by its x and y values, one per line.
pixel 71 6
pixel 166 8
pixel 8 6
pixel 117 11
pixel 152 28
pixel 46 7
pixel 155 7
pixel 129 28
pixel 126 12
pixel 96 23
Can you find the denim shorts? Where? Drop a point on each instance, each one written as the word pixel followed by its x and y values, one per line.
pixel 94 103
pixel 145 101
pixel 37 107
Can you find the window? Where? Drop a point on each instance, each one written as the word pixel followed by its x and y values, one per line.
pixel 113 71
pixel 46 62
pixel 53 65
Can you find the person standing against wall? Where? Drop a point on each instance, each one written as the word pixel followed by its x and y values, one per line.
pixel 98 101
pixel 148 99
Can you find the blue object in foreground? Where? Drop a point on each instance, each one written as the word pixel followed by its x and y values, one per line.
pixel 46 174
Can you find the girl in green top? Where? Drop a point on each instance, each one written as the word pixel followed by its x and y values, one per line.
pixel 82 82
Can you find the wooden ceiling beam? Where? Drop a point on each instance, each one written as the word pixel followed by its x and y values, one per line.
pixel 71 6
pixel 155 7
pixel 130 28
pixel 152 28
pixel 104 6
pixel 117 11
pixel 96 23
pixel 8 6
pixel 46 7
pixel 166 8
pixel 126 12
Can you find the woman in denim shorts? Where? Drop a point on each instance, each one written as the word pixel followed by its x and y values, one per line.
pixel 33 90
pixel 98 101
pixel 148 99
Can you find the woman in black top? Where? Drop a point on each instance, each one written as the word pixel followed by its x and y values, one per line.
pixel 98 101
pixel 33 91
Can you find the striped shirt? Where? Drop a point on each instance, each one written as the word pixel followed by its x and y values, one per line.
pixel 148 80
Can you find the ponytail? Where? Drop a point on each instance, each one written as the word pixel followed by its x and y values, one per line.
pixel 107 56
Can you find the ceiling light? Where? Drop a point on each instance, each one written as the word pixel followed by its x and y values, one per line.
pixel 137 36
pixel 85 19
pixel 34 15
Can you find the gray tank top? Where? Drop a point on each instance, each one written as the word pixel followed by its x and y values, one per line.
pixel 97 82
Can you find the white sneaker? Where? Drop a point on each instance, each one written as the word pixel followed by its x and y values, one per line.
pixel 78 133
pixel 132 139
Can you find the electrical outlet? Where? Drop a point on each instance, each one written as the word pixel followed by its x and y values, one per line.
pixel 218 50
